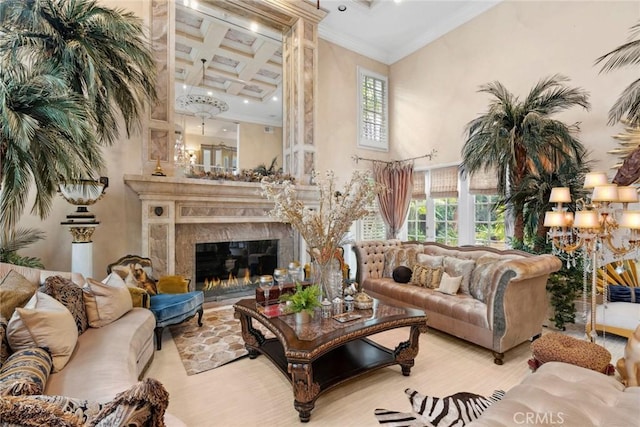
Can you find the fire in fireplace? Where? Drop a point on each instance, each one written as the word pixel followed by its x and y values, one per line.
pixel 230 269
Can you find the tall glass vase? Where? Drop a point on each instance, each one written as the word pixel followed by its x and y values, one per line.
pixel 329 276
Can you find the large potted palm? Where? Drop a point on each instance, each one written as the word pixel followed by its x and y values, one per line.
pixel 69 70
pixel 518 138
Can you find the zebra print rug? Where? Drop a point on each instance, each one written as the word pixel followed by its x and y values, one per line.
pixel 455 410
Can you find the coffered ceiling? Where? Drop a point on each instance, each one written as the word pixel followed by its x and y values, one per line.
pixel 242 66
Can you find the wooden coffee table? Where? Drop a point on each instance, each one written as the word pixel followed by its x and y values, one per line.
pixel 324 353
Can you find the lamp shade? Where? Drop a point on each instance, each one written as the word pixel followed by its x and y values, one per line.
pixel 560 195
pixel 554 219
pixel 594 179
pixel 630 219
pixel 605 193
pixel 586 219
pixel 627 194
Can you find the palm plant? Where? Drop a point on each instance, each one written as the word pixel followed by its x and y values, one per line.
pixel 69 70
pixel 103 52
pixel 18 240
pixel 533 194
pixel 628 54
pixel 44 134
pixel 519 138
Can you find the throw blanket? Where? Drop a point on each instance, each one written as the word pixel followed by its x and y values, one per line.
pixel 455 410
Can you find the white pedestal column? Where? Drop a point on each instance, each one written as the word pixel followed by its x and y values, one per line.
pixel 82 258
pixel 82 247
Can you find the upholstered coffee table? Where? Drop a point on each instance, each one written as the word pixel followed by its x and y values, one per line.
pixel 324 353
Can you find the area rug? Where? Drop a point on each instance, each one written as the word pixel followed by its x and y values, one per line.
pixel 456 410
pixel 217 342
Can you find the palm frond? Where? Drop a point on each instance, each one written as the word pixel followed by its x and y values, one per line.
pixel 12 242
pixel 627 105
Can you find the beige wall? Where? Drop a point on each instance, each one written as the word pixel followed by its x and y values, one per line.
pixel 258 147
pixel 434 91
pixel 337 109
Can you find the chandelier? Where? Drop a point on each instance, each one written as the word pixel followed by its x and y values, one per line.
pixel 597 228
pixel 202 106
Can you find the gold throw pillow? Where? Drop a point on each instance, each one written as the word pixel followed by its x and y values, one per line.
pixel 428 277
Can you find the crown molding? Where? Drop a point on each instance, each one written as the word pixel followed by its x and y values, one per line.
pixel 353 44
pixel 427 37
pixel 443 28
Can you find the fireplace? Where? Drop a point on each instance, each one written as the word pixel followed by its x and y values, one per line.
pixel 178 214
pixel 230 269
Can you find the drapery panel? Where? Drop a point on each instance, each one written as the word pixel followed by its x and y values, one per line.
pixel 397 177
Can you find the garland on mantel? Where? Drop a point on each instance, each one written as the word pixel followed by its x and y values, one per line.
pixel 245 175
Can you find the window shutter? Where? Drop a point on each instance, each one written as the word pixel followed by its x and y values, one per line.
pixel 483 182
pixel 372 226
pixel 419 190
pixel 373 110
pixel 443 182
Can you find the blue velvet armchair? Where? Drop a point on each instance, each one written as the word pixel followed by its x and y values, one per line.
pixel 169 297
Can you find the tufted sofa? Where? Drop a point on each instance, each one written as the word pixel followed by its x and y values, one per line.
pixel 503 304
pixel 107 360
pixel 563 394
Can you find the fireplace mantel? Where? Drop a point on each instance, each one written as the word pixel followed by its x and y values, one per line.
pixel 171 202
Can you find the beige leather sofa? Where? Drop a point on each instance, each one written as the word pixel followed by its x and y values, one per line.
pixel 560 394
pixel 511 310
pixel 106 360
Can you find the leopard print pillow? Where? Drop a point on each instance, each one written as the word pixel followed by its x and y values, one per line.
pixel 70 295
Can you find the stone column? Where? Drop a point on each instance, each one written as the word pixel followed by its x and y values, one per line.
pixel 158 143
pixel 300 58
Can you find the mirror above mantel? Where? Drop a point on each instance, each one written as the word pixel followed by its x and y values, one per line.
pixel 228 90
pixel 297 21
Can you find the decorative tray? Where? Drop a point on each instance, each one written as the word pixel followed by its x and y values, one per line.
pixel 346 317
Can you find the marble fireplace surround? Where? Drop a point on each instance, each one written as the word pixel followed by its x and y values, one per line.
pixel 177 213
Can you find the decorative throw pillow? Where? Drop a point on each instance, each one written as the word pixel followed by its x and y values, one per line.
pixel 15 291
pixel 70 295
pixel 173 285
pixel 460 267
pixel 139 297
pixel 623 293
pixel 106 301
pixel 25 372
pixel 28 411
pixel 4 344
pixel 390 255
pixel 143 404
pixel 46 323
pixel 402 274
pixel 426 276
pixel 396 256
pixel 430 260
pixel 449 284
pixel 482 280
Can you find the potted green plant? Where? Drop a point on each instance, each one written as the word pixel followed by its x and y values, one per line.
pixel 303 302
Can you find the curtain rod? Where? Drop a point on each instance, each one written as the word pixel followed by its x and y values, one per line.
pixel 390 162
